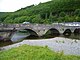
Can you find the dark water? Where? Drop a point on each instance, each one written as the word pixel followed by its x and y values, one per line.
pixel 5 43
pixel 72 36
pixel 9 42
pixel 6 40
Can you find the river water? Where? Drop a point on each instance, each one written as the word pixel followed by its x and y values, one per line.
pixel 9 42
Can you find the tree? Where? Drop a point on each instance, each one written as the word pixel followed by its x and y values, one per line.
pixel 37 19
pixel 77 12
pixel 53 19
pixel 47 21
pixel 62 14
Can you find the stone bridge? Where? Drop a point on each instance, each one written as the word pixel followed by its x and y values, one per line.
pixel 41 29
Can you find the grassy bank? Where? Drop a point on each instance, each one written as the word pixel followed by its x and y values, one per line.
pixel 26 52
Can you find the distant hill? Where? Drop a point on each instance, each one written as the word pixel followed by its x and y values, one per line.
pixel 49 12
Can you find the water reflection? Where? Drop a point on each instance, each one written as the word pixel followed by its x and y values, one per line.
pixel 19 35
pixel 25 35
pixel 5 43
pixel 4 39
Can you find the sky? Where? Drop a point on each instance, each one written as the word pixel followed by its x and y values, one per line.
pixel 13 5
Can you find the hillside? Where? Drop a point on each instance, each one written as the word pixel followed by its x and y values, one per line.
pixel 3 15
pixel 49 12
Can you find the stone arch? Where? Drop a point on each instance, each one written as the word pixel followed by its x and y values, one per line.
pixel 52 32
pixel 67 32
pixel 77 31
pixel 23 34
pixel 33 34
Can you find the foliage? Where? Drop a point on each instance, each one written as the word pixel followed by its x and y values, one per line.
pixel 62 14
pixel 48 12
pixel 77 12
pixel 26 52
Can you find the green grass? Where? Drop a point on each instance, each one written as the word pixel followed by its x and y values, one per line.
pixel 26 52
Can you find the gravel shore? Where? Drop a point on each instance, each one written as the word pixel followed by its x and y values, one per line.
pixel 58 44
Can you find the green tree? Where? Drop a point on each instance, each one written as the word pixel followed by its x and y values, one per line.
pixel 47 21
pixel 62 14
pixel 77 12
pixel 37 19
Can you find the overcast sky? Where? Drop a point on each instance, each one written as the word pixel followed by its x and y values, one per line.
pixel 13 5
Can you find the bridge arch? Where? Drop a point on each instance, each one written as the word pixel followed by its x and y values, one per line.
pixel 52 32
pixel 33 34
pixel 77 31
pixel 67 32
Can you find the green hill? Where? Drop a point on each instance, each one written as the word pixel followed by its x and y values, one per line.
pixel 49 12
pixel 3 15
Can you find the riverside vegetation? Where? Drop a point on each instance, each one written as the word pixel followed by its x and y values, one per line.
pixel 47 13
pixel 26 52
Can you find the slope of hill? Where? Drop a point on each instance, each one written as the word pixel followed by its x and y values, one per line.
pixel 49 12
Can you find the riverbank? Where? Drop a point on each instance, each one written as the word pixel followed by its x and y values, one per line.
pixel 58 44
pixel 26 52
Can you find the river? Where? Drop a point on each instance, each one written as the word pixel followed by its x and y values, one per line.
pixel 9 42
pixel 57 44
pixel 68 44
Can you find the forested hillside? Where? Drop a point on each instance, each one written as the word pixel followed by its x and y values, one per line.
pixel 47 13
